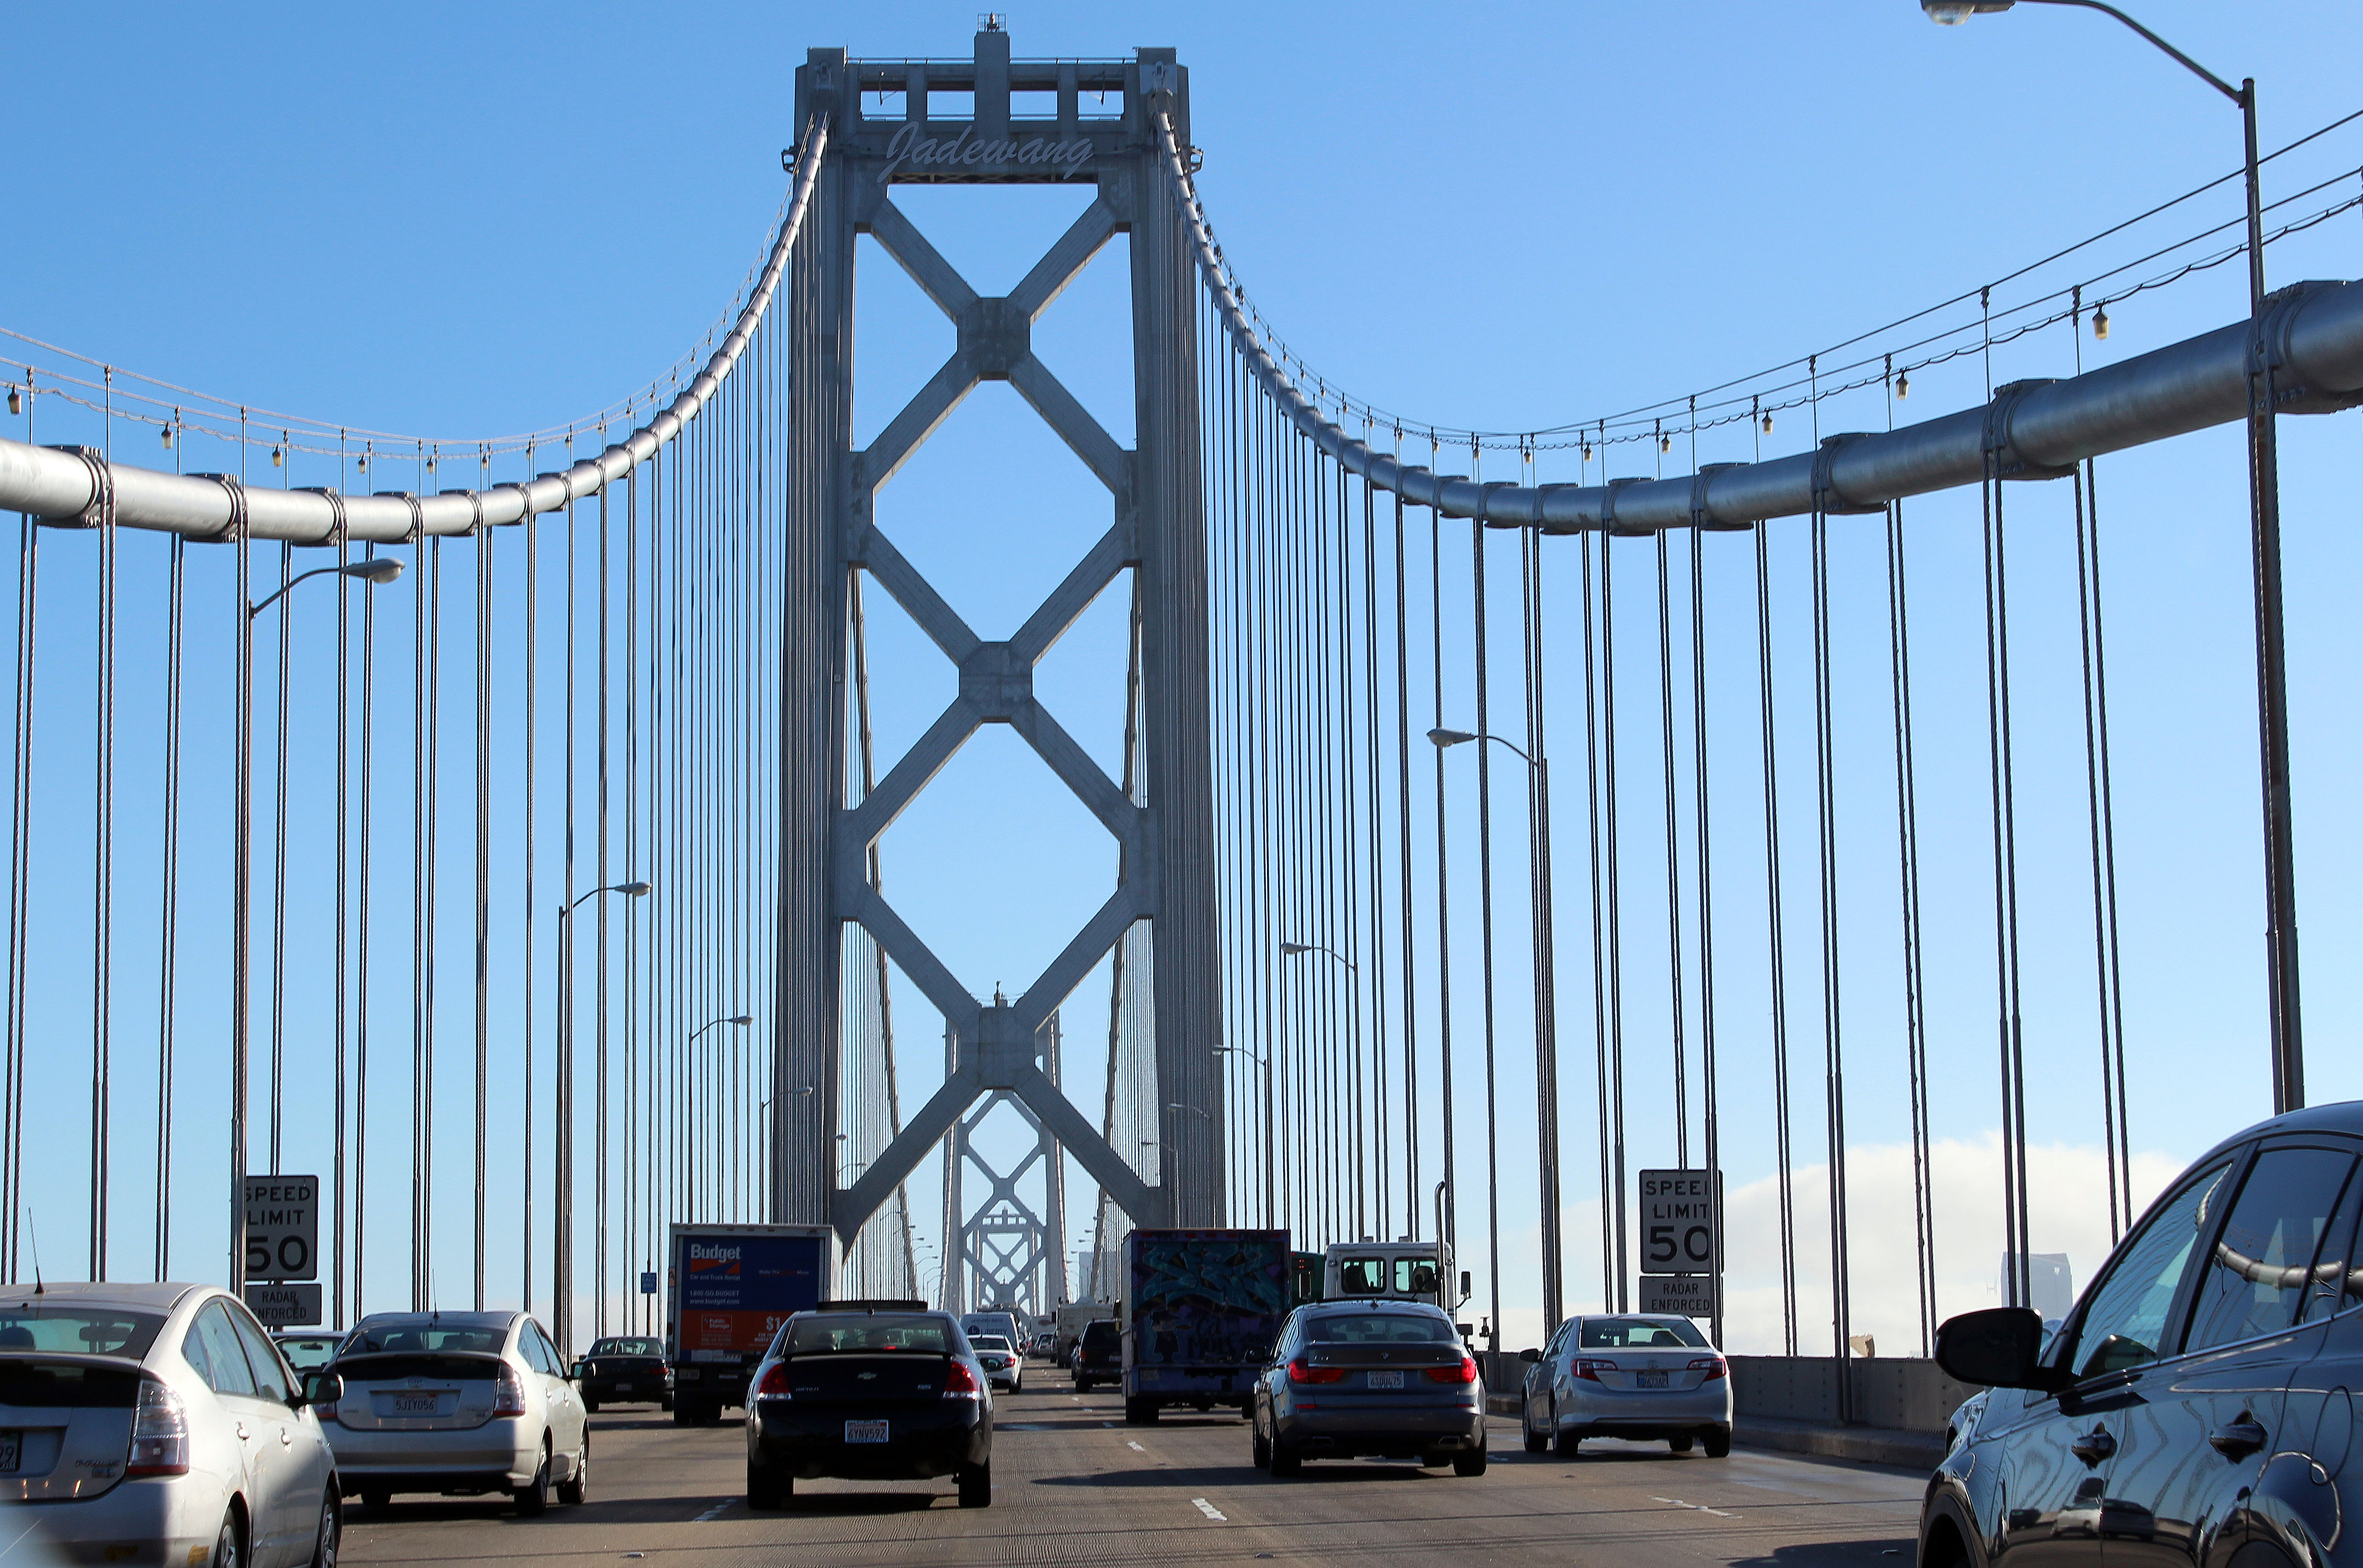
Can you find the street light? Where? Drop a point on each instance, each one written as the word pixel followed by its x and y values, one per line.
pixel 1545 963
pixel 737 1020
pixel 377 571
pixel 561 1310
pixel 2265 565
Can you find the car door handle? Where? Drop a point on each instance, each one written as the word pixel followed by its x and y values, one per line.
pixel 241 1432
pixel 2238 1439
pixel 285 1441
pixel 2093 1446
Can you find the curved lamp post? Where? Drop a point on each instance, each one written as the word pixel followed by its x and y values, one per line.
pixel 561 1305
pixel 377 571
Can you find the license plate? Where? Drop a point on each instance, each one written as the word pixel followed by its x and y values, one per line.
pixel 12 1450
pixel 865 1431
pixel 411 1404
pixel 622 1388
pixel 1648 1380
pixel 1384 1379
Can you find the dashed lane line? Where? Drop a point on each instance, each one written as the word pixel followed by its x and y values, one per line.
pixel 715 1512
pixel 1701 1507
pixel 1134 1446
pixel 1209 1509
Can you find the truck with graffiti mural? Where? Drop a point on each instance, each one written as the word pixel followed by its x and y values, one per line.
pixel 1199 1321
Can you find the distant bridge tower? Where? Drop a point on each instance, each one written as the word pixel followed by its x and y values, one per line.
pixel 1164 823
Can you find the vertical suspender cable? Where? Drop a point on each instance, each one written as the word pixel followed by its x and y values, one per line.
pixel 1605 1096
pixel 1615 910
pixel 1709 1090
pixel 1482 658
pixel 340 1027
pixel 1776 944
pixel 168 936
pixel 530 806
pixel 102 946
pixel 602 1268
pixel 1673 852
pixel 1544 938
pixel 1826 833
pixel 1442 880
pixel 284 630
pixel 483 837
pixel 1405 934
pixel 633 1097
pixel 21 811
pixel 361 940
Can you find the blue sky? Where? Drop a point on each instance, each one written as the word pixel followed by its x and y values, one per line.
pixel 472 220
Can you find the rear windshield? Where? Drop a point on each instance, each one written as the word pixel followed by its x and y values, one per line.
pixel 30 1385
pixel 811 1331
pixel 987 1341
pixel 627 1347
pixel 307 1355
pixel 78 1330
pixel 1379 1329
pixel 400 1364
pixel 1641 1333
pixel 372 1339
pixel 1103 1332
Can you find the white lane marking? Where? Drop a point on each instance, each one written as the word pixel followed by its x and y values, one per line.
pixel 713 1512
pixel 1209 1509
pixel 1134 1446
pixel 1701 1507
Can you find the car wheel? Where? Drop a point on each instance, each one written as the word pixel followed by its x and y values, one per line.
pixel 1718 1442
pixel 1468 1463
pixel 331 1533
pixel 533 1498
pixel 1259 1448
pixel 665 1404
pixel 226 1544
pixel 1286 1464
pixel 1681 1444
pixel 576 1487
pixel 976 1485
pixel 1536 1442
pixel 763 1491
pixel 375 1498
pixel 591 1407
pixel 1139 1413
pixel 1567 1442
pixel 1082 1385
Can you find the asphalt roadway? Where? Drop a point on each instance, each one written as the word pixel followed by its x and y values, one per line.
pixel 1073 1485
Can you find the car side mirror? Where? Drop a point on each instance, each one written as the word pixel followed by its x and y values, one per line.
pixel 1530 1355
pixel 1464 1285
pixel 575 1372
pixel 319 1388
pixel 2001 1347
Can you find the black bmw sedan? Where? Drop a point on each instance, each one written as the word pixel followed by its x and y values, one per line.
pixel 869 1391
pixel 624 1370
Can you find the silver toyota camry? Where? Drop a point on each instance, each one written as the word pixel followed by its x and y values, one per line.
pixel 1630 1375
pixel 156 1425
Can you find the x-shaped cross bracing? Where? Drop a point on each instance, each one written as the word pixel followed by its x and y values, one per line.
pixel 996 1049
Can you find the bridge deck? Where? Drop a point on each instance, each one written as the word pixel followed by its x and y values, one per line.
pixel 1073 1483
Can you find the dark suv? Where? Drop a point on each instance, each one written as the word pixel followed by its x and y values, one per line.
pixel 1099 1354
pixel 626 1370
pixel 2194 1406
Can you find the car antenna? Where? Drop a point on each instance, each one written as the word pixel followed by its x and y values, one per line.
pixel 38 1288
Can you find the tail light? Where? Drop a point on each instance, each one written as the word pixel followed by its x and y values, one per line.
pixel 1465 1373
pixel 774 1384
pixel 960 1383
pixel 1591 1370
pixel 1302 1370
pixel 160 1434
pixel 1713 1365
pixel 509 1400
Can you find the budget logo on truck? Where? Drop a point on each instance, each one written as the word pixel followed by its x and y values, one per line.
pixel 709 1263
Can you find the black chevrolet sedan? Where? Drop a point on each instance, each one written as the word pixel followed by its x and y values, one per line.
pixel 1371 1379
pixel 2196 1405
pixel 624 1370
pixel 869 1391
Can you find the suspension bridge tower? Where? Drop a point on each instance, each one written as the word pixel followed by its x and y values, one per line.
pixel 1161 814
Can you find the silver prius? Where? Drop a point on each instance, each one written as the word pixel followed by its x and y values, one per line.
pixel 1372 1379
pixel 156 1425
pixel 1630 1375
pixel 458 1403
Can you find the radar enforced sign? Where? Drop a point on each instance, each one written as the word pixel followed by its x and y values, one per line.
pixel 1682 1242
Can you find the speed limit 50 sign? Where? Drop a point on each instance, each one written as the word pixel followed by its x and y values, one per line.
pixel 283 1227
pixel 1680 1221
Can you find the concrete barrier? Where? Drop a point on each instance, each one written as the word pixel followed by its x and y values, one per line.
pixel 1902 1394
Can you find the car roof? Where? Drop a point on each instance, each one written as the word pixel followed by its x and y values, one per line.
pixel 157 1297
pixel 456 1319
pixel 1382 1303
pixel 2339 1116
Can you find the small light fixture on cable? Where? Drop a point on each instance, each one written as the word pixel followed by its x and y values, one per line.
pixel 2100 321
pixel 1665 443
pixel 166 433
pixel 16 404
pixel 1953 12
pixel 1768 422
pixel 277 457
pixel 1903 384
